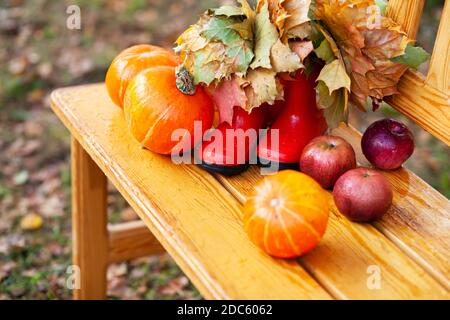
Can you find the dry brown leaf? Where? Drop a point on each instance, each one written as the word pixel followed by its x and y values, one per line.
pixel 283 59
pixel 262 87
pixel 368 41
pixel 302 48
pixel 298 13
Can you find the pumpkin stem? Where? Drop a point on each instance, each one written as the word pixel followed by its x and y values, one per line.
pixel 185 81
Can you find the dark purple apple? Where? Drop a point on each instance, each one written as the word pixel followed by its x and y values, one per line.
pixel 326 158
pixel 387 144
pixel 363 194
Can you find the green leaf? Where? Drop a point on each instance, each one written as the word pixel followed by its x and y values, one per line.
pixel 335 76
pixel 245 29
pixel 382 4
pixel 203 72
pixel 325 52
pixel 266 35
pixel 221 29
pixel 336 113
pixel 216 47
pixel 413 57
pixel 229 11
pixel 334 104
pixel 241 55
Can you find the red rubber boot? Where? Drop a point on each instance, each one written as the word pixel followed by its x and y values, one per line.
pixel 230 155
pixel 299 122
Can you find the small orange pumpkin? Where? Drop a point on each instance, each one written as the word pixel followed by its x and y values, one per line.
pixel 287 214
pixel 154 108
pixel 130 62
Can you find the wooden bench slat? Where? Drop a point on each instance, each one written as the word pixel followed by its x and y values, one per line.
pixel 439 72
pixel 131 240
pixel 425 105
pixel 419 222
pixel 425 101
pixel 407 14
pixel 196 220
pixel 341 261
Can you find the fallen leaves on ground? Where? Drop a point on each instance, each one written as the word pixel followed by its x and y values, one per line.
pixel 31 222
pixel 38 56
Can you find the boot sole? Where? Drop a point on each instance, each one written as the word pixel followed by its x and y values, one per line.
pixel 225 170
pixel 281 165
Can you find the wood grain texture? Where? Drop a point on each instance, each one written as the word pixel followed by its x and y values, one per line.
pixel 419 221
pixel 131 240
pixel 425 101
pixel 407 14
pixel 90 237
pixel 341 261
pixel 425 105
pixel 196 220
pixel 439 72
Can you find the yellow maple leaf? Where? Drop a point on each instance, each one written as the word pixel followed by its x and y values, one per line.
pixel 298 13
pixel 31 221
pixel 284 59
pixel 261 86
pixel 335 76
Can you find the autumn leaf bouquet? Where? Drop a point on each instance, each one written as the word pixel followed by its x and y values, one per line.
pixel 280 73
pixel 243 54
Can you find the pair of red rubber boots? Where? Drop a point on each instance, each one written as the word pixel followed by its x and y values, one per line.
pixel 292 124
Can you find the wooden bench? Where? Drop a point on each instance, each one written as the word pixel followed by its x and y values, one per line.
pixel 196 216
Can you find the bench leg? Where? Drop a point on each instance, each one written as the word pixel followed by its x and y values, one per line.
pixel 89 221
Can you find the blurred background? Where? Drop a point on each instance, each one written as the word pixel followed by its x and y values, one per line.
pixel 38 53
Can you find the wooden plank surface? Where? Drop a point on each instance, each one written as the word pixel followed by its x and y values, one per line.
pixel 418 224
pixel 343 259
pixel 196 220
pixel 89 219
pixel 425 105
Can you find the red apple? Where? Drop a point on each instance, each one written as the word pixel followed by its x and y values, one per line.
pixel 387 144
pixel 326 158
pixel 363 195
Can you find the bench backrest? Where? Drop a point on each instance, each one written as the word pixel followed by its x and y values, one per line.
pixel 425 99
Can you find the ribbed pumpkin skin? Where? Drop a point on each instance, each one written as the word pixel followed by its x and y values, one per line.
pixel 154 108
pixel 287 214
pixel 130 62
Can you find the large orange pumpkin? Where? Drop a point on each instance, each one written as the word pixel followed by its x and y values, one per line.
pixel 154 108
pixel 287 214
pixel 130 62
